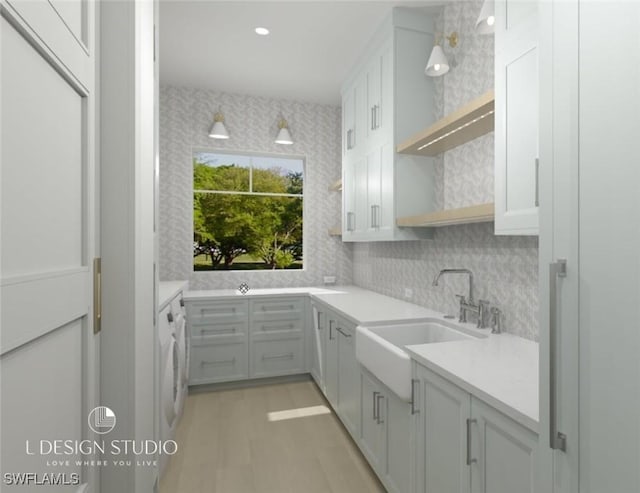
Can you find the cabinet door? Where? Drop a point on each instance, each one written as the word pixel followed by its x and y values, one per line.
pixel 318 345
pixel 349 378
pixel 374 92
pixel 444 411
pixel 348 120
pixel 372 421
pixel 505 453
pixel 360 221
pixel 516 118
pixel 348 199
pixel 374 177
pixel 399 442
pixel 360 114
pixel 331 368
pixel 380 178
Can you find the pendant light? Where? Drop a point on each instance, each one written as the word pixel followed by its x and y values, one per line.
pixel 486 20
pixel 218 130
pixel 438 64
pixel 283 137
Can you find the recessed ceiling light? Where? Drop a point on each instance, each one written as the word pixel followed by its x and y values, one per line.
pixel 262 31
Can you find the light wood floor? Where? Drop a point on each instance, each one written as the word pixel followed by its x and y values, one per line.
pixel 227 445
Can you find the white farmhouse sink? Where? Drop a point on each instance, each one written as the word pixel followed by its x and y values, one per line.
pixel 381 350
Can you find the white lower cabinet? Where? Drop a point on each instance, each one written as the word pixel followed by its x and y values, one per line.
pixel 331 359
pixel 464 445
pixel 385 437
pixel 318 344
pixel 236 339
pixel 349 377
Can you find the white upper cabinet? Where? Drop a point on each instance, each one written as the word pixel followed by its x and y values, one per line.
pixel 516 118
pixel 386 99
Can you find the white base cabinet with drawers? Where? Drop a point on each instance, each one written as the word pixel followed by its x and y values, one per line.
pixel 246 338
pixel 219 340
pixel 464 445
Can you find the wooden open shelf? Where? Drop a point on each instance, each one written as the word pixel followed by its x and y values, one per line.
pixel 336 186
pixel 337 231
pixel 465 124
pixel 465 215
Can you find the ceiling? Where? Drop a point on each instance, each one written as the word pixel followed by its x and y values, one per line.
pixel 307 55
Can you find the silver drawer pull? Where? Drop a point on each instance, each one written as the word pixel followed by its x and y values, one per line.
pixel 275 327
pixel 470 460
pixel 557 439
pixel 277 308
pixel 414 410
pixel 339 329
pixel 217 331
pixel 216 311
pixel 375 406
pixel 277 356
pixel 223 362
pixel 380 419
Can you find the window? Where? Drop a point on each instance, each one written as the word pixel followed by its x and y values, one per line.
pixel 247 212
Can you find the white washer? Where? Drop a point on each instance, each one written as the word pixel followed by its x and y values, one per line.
pixel 170 378
pixel 183 343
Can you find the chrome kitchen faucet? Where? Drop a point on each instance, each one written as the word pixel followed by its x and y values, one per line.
pixel 467 304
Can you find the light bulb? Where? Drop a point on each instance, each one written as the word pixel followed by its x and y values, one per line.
pixel 491 20
pixel 436 67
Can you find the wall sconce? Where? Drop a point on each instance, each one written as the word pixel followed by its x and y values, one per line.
pixel 486 19
pixel 283 137
pixel 218 130
pixel 438 64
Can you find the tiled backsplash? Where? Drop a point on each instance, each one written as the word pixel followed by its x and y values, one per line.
pixel 505 268
pixel 185 118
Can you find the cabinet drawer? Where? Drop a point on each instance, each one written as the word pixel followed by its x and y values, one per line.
pixel 291 327
pixel 223 332
pixel 277 309
pixel 277 357
pixel 215 312
pixel 218 362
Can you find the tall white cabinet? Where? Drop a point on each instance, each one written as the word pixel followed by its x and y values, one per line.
pixel 589 217
pixel 516 118
pixel 386 99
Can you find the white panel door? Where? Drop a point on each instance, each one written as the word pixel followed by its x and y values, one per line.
pixel 559 234
pixel 503 453
pixel 445 409
pixel 49 373
pixel 516 118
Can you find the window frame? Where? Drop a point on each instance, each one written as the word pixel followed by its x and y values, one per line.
pixel 252 154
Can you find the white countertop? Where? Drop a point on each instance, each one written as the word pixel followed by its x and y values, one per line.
pixel 365 307
pixel 167 290
pixel 233 293
pixel 501 370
